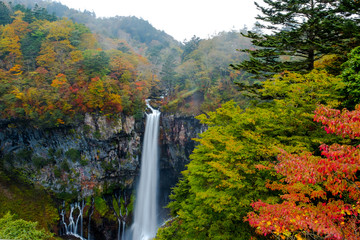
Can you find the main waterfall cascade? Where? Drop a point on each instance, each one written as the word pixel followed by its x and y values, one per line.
pixel 145 222
pixel 145 217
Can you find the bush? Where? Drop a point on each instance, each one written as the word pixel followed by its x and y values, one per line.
pixel 65 166
pixel 57 172
pixel 84 161
pixel 58 153
pixel 24 155
pixel 97 134
pixel 73 154
pixel 11 228
pixel 39 162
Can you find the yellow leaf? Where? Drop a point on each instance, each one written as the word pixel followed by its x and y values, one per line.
pixel 60 121
pixel 298 237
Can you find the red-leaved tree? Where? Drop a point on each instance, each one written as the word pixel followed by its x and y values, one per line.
pixel 321 194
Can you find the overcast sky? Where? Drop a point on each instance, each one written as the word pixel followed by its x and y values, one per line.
pixel 181 19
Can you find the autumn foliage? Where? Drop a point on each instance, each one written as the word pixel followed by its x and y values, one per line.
pixel 52 73
pixel 320 193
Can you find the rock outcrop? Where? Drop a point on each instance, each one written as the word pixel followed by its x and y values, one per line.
pixel 75 159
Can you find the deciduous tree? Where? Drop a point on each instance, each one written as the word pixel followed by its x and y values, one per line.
pixel 320 193
pixel 224 175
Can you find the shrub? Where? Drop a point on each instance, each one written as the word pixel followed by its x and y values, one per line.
pixel 11 228
pixel 39 162
pixel 73 154
pixel 65 166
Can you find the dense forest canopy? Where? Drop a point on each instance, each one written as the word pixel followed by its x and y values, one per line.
pixel 54 71
pixel 195 75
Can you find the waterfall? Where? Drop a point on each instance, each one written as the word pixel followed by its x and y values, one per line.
pixel 145 217
pixel 123 232
pixel 119 228
pixel 72 228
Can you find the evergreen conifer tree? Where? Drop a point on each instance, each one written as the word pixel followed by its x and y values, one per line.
pixel 301 32
pixel 5 14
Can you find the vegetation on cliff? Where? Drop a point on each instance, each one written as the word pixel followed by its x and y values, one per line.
pixel 28 202
pixel 12 228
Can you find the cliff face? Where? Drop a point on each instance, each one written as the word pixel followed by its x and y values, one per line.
pixel 100 149
pixel 176 134
pixel 74 159
pixel 98 155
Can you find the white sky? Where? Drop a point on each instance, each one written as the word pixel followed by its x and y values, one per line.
pixel 180 19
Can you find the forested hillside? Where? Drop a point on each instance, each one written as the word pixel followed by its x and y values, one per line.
pixel 200 78
pixel 53 72
pixel 195 75
pixel 138 33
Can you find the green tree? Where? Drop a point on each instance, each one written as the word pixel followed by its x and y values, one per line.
pixel 77 34
pixel 301 32
pixel 41 13
pixel 29 16
pixel 5 14
pixel 30 47
pixel 168 73
pixel 189 47
pixel 96 63
pixel 351 77
pixel 224 175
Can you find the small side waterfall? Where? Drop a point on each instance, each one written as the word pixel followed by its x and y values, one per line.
pixel 145 217
pixel 73 227
pixel 123 231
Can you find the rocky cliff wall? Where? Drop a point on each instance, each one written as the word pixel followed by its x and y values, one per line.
pixel 176 142
pixel 99 155
pixel 100 149
pixel 75 159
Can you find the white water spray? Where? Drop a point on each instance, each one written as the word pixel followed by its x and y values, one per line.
pixel 145 217
pixel 72 229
